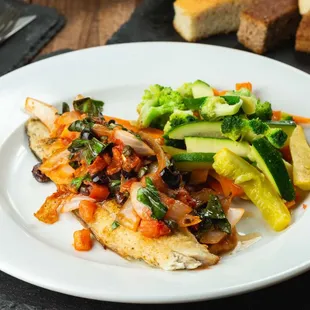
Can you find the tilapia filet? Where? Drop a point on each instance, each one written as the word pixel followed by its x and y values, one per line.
pixel 180 250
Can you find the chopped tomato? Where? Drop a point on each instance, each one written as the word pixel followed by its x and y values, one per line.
pixel 153 228
pixel 87 210
pixel 125 187
pixel 99 192
pixel 276 115
pixel 116 164
pixel 286 152
pixel 247 85
pixel 82 240
pixel 98 165
pixel 305 206
pixel 184 196
pixel 131 162
pixel 107 158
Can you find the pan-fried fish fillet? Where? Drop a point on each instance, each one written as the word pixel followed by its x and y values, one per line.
pixel 178 251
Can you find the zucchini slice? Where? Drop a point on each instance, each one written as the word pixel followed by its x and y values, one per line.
pixel 270 162
pixel 199 129
pixel 193 161
pixel 213 145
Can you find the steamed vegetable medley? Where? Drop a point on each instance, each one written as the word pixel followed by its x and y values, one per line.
pixel 178 167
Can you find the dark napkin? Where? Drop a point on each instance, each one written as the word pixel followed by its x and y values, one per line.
pixel 23 46
pixel 152 21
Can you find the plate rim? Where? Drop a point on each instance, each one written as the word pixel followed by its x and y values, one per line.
pixel 243 288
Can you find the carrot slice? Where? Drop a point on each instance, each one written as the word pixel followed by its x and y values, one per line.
pixel 276 115
pixel 300 119
pixel 216 92
pixel 247 85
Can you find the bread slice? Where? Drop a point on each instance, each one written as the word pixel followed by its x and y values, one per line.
pixel 197 19
pixel 304 6
pixel 303 35
pixel 267 24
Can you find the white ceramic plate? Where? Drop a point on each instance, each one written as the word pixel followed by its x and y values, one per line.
pixel 43 255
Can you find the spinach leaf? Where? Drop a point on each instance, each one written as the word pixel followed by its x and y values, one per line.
pixel 89 149
pixel 77 182
pixel 223 225
pixel 213 216
pixel 92 149
pixel 65 107
pixel 79 126
pixel 77 145
pixel 213 210
pixel 114 225
pixel 149 196
pixel 89 106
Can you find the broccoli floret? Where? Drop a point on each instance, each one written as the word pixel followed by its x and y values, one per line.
pixel 215 108
pixel 178 118
pixel 232 127
pixel 277 137
pixel 235 127
pixel 157 104
pixel 186 90
pixel 254 128
pixel 263 111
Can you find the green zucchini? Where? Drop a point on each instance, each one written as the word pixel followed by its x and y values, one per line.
pixel 201 89
pixel 213 145
pixel 199 129
pixel 270 162
pixel 193 161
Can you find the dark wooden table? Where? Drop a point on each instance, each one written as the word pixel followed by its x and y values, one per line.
pixel 89 22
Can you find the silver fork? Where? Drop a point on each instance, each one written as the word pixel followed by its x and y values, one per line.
pixel 8 18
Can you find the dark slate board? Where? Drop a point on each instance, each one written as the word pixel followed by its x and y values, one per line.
pixel 152 22
pixel 22 47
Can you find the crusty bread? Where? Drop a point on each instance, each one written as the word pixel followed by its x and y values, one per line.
pixel 304 6
pixel 267 24
pixel 303 35
pixel 196 19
